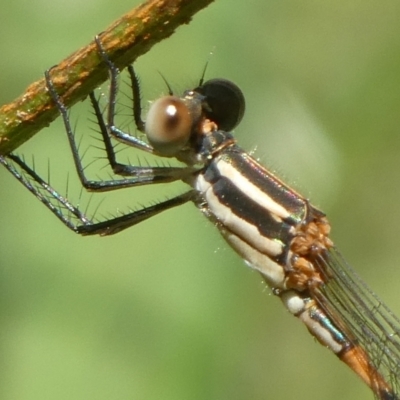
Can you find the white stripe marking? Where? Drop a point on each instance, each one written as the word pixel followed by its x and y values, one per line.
pixel 322 334
pixel 272 272
pixel 248 232
pixel 297 305
pixel 252 191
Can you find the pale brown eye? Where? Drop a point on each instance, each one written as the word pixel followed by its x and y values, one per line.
pixel 168 125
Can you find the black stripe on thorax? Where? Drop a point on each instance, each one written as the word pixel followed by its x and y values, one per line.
pixel 267 182
pixel 244 207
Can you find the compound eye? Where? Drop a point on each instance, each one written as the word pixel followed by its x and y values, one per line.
pixel 168 125
pixel 225 101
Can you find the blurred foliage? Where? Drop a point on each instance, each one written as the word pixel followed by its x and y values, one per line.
pixel 166 310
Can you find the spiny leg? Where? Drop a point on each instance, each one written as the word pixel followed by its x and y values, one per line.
pixel 115 225
pixel 58 204
pixel 136 99
pixel 137 109
pixel 61 207
pixel 138 175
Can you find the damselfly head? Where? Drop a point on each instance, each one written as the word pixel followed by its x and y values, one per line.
pixel 173 122
pixel 223 103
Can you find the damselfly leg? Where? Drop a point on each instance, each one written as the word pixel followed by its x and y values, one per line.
pixel 138 175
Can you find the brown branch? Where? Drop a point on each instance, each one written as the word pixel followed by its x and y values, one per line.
pixel 80 73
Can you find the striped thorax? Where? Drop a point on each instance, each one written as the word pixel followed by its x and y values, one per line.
pixel 282 236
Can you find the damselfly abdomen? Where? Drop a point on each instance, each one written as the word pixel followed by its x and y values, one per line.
pixel 272 227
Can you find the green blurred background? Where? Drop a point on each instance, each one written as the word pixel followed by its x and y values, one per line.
pixel 166 310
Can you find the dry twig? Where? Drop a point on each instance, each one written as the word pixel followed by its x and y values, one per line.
pixel 80 73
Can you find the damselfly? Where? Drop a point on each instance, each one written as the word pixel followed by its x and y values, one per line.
pixel 272 227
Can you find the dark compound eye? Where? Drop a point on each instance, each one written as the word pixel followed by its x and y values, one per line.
pixel 168 125
pixel 225 103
